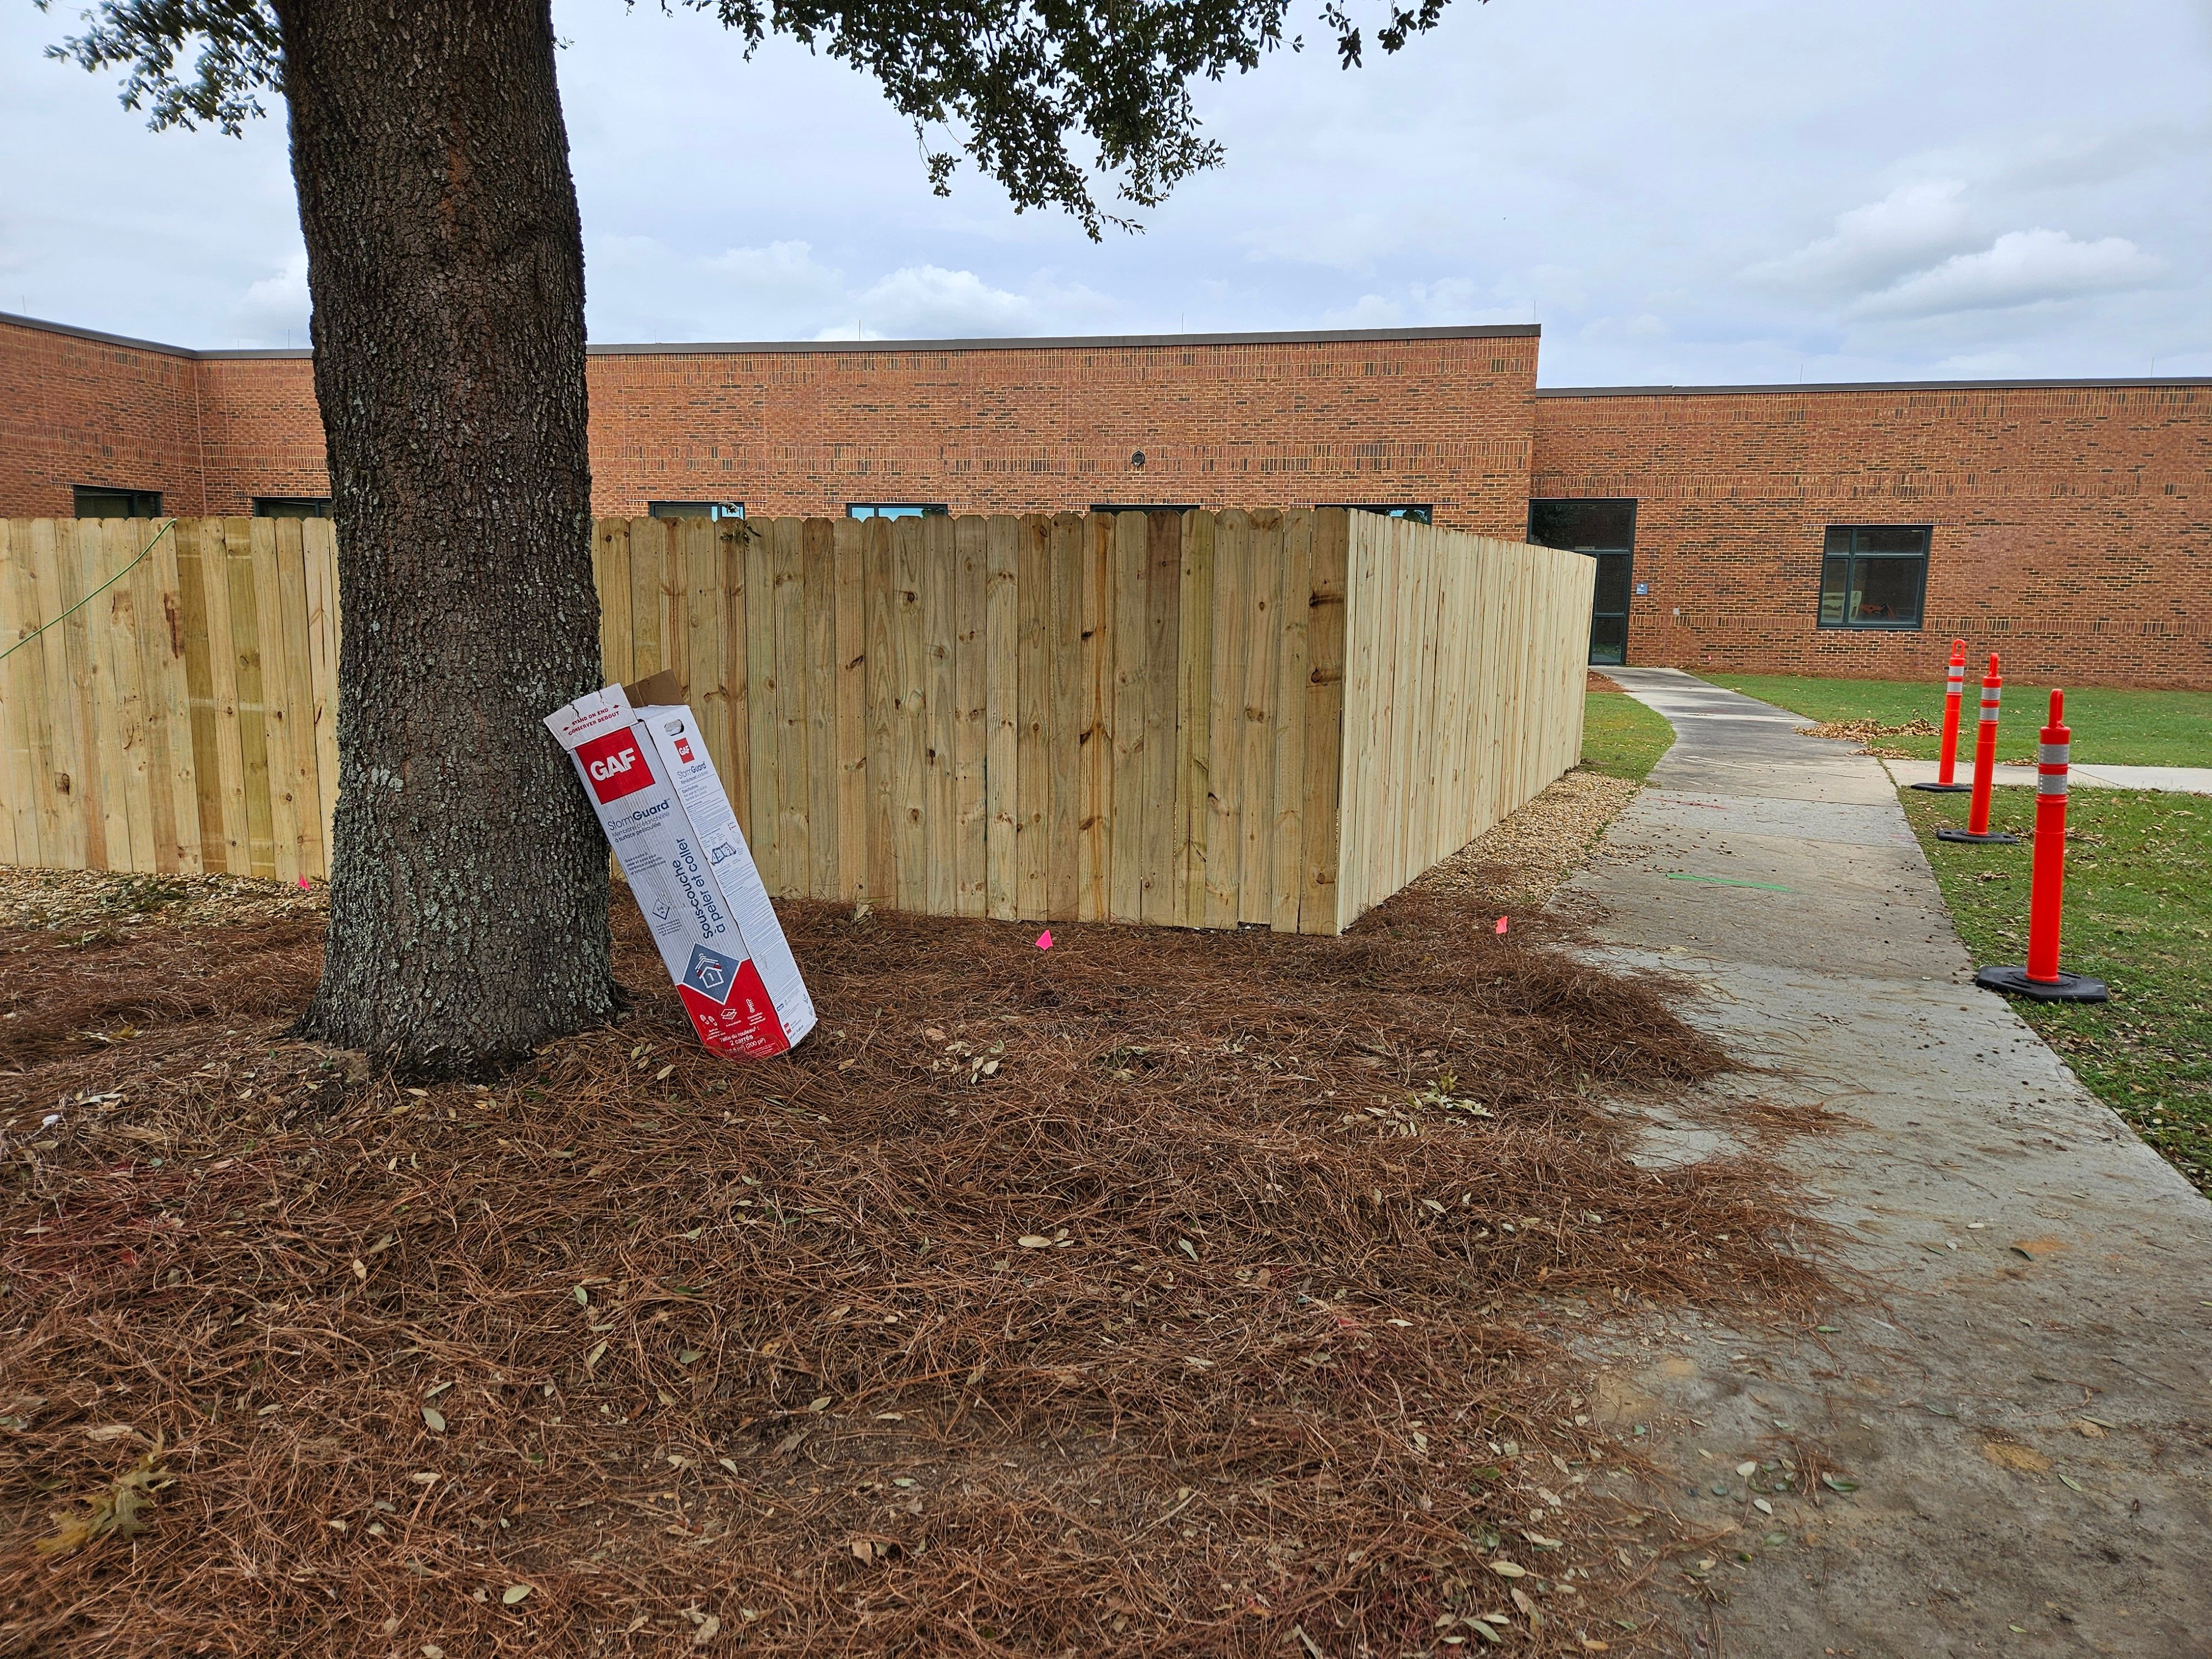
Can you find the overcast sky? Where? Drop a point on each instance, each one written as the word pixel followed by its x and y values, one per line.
pixel 1701 192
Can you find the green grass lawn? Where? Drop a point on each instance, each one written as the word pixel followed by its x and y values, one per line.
pixel 2117 727
pixel 2138 916
pixel 1620 737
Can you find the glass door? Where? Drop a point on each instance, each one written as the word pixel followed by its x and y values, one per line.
pixel 1609 609
pixel 1605 529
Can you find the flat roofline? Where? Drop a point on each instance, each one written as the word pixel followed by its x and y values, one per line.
pixel 758 348
pixel 1070 342
pixel 2108 383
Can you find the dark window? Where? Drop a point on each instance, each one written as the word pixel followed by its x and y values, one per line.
pixel 291 506
pixel 1583 527
pixel 1606 530
pixel 1143 506
pixel 695 509
pixel 1419 512
pixel 896 510
pixel 98 501
pixel 1874 575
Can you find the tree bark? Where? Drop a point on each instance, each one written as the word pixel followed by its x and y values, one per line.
pixel 445 260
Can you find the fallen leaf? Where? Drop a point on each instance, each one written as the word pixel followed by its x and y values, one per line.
pixel 111 1432
pixel 1834 1482
pixel 690 1356
pixel 661 1076
pixel 435 1418
pixel 583 1296
pixel 2009 1454
pixel 515 1593
pixel 1747 1470
pixel 1521 1600
pixel 1762 1506
pixel 1034 1241
pixel 592 1359
pixel 2071 1481
pixel 2089 1430
pixel 709 1628
pixel 1187 1248
pixel 1508 1570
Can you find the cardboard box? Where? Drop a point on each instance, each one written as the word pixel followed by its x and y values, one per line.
pixel 645 769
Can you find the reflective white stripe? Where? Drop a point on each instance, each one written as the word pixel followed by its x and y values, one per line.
pixel 1957 677
pixel 2050 783
pixel 2052 754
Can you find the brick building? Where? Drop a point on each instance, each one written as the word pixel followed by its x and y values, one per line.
pixel 1831 529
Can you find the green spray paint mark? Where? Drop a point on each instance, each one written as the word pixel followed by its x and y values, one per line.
pixel 1723 881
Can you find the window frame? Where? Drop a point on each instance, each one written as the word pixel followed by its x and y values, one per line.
pixel 144 503
pixel 262 504
pixel 695 509
pixel 1412 511
pixel 1852 557
pixel 864 510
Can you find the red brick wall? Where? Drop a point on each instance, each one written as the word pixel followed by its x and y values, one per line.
pixel 991 429
pixel 2073 523
pixel 263 434
pixel 2072 531
pixel 74 410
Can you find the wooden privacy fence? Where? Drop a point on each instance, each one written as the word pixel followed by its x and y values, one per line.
pixel 1269 719
pixel 181 720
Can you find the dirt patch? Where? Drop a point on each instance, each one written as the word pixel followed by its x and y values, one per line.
pixel 1159 1293
pixel 1598 682
pixel 1868 734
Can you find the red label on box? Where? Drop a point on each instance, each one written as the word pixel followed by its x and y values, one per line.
pixel 745 1023
pixel 615 765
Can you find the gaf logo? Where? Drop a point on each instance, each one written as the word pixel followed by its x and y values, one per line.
pixel 615 765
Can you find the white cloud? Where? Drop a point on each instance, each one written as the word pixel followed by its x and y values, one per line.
pixel 274 309
pixel 2020 268
pixel 1446 303
pixel 1874 245
pixel 918 302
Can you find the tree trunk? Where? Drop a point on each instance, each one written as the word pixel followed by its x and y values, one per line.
pixel 445 257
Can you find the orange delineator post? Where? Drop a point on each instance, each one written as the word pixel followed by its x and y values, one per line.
pixel 1985 765
pixel 2042 979
pixel 2046 896
pixel 1954 686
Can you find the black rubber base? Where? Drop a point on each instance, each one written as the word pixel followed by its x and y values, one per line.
pixel 2068 987
pixel 1994 838
pixel 1944 788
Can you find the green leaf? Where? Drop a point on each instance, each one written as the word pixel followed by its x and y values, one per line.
pixel 515 1593
pixel 1835 1484
pixel 435 1418
pixel 2070 1480
pixel 583 1296
pixel 690 1356
pixel 592 1359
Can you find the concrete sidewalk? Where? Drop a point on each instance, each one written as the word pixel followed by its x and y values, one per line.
pixel 2022 1399
pixel 2170 780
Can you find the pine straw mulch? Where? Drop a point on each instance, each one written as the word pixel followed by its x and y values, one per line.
pixel 1163 1293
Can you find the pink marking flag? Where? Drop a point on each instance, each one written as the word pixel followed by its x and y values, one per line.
pixel 1044 939
pixel 1501 924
